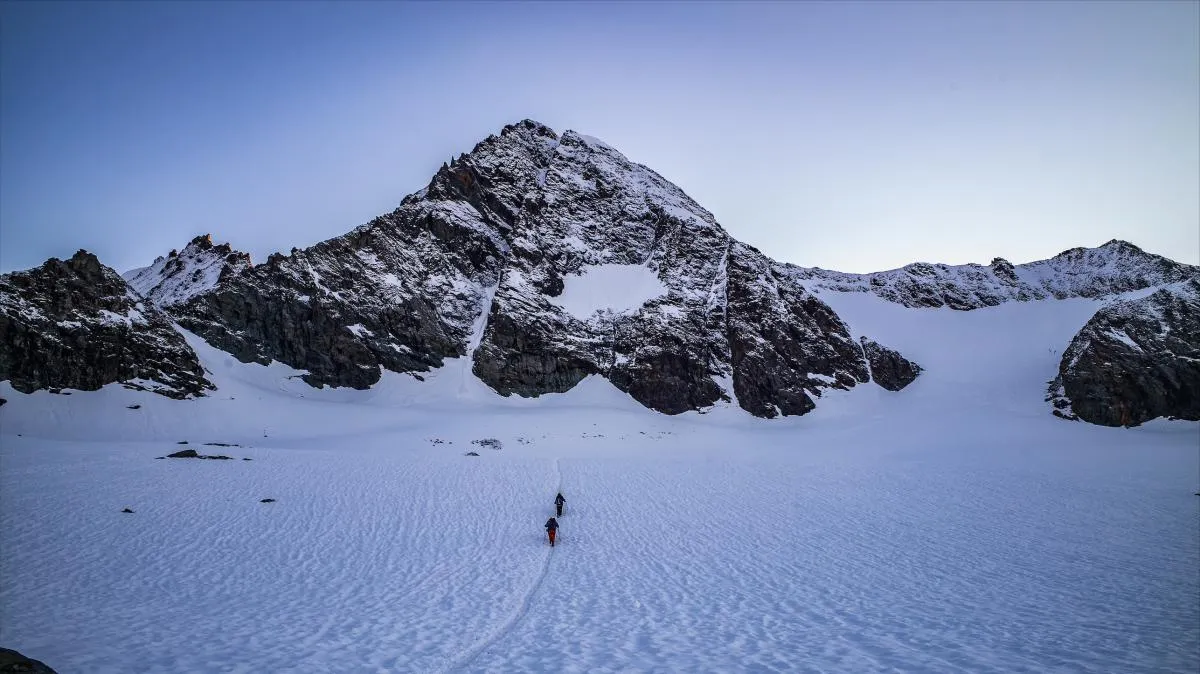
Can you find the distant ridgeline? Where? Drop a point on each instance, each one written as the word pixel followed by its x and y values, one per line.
pixel 490 262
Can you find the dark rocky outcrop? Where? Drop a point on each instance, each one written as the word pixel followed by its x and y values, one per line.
pixel 12 661
pixel 723 324
pixel 785 344
pixel 77 324
pixel 888 368
pixel 1135 360
pixel 193 454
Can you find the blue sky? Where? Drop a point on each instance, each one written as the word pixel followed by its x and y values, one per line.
pixel 852 136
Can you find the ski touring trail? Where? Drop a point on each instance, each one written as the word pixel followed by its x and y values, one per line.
pixel 506 628
pixel 956 526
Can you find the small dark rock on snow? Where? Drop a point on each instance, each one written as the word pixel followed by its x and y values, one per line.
pixel 488 442
pixel 182 442
pixel 246 458
pixel 267 500
pixel 133 407
pixel 127 510
pixel 2 401
pixel 471 454
pixel 192 454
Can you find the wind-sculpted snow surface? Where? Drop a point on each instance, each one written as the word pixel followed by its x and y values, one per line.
pixel 1135 360
pixel 953 526
pixel 1116 267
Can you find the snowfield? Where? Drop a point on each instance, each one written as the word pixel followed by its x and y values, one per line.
pixel 954 526
pixel 611 288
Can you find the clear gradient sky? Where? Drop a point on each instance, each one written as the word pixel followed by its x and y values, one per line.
pixel 851 136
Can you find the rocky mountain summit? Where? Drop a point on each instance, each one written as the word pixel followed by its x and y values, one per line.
pixel 538 259
pixel 1113 268
pixel 1135 360
pixel 76 324
pixel 488 262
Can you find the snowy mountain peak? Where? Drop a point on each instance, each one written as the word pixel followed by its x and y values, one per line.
pixel 178 277
pixel 543 258
pixel 539 260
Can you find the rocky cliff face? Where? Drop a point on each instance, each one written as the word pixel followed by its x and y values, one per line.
pixel 1116 267
pixel 490 261
pixel 1135 360
pixel 545 258
pixel 77 324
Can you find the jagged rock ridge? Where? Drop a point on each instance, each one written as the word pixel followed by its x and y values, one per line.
pixel 488 262
pixel 1113 268
pixel 77 324
pixel 179 276
pixel 476 263
pixel 1135 360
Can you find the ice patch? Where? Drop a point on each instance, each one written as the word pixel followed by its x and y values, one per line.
pixel 1124 338
pixel 609 288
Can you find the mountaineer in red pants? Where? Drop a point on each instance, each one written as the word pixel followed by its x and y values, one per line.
pixel 551 529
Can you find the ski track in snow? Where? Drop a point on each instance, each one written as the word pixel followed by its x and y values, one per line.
pixel 955 526
pixel 523 609
pixel 341 563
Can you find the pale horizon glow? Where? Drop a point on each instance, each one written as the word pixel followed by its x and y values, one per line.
pixel 849 136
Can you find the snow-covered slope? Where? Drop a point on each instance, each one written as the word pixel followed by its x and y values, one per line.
pixel 179 276
pixel 1115 267
pixel 951 526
